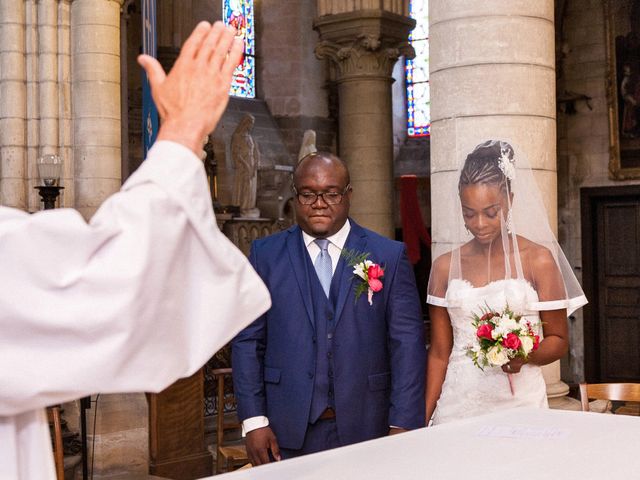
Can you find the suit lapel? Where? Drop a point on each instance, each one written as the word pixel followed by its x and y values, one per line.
pixel 298 257
pixel 356 241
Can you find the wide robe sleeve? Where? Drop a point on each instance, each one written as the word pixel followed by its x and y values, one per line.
pixel 143 294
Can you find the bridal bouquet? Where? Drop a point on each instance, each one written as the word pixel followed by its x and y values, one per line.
pixel 500 337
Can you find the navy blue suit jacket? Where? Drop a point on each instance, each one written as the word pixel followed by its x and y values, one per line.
pixel 379 350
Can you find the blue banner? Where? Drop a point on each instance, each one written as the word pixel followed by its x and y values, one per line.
pixel 149 47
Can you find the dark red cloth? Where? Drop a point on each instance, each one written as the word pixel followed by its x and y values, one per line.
pixel 413 229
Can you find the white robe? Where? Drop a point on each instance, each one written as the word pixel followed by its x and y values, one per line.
pixel 143 295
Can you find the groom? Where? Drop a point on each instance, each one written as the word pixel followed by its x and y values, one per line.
pixel 325 367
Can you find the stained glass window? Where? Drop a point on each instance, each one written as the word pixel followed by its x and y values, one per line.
pixel 417 73
pixel 239 13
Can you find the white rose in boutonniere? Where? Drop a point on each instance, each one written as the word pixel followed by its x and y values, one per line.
pixel 362 268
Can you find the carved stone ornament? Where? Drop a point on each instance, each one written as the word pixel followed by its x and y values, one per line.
pixel 367 55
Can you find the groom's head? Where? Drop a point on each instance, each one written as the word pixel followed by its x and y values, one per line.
pixel 323 194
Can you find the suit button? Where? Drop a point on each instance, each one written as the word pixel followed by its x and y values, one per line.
pixel 329 354
pixel 310 374
pixel 330 393
pixel 313 339
pixel 330 336
pixel 330 316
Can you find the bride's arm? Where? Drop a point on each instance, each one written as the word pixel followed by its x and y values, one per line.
pixel 554 345
pixel 439 351
pixel 549 286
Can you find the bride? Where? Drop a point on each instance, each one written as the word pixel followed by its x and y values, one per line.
pixel 502 253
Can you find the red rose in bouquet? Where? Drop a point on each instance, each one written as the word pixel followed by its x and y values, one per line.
pixel 511 341
pixel 484 331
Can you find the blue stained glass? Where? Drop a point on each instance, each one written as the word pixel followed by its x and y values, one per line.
pixel 243 83
pixel 417 73
pixel 239 13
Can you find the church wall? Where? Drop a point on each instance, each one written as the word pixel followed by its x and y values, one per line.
pixel 290 77
pixel 583 139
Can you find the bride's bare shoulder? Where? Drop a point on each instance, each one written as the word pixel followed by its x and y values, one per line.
pixel 442 263
pixel 539 256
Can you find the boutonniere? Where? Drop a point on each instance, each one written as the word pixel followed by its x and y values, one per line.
pixel 367 271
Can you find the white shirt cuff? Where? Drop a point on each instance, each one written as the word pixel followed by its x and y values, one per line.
pixel 253 423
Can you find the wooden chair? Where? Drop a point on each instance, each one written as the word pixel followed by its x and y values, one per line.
pixel 53 414
pixel 623 392
pixel 227 456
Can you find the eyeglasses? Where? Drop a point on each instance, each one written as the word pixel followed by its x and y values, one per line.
pixel 330 198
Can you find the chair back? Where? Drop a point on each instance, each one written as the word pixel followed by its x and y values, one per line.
pixel 53 415
pixel 622 392
pixel 227 456
pixel 223 399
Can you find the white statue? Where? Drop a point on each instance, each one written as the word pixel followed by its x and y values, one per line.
pixel 308 144
pixel 245 155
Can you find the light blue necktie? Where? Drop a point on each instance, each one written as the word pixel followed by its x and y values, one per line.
pixel 322 264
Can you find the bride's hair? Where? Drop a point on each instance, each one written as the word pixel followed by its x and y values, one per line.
pixel 488 163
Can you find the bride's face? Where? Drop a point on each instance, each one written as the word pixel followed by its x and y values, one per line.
pixel 482 206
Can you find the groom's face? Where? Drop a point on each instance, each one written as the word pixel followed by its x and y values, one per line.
pixel 322 175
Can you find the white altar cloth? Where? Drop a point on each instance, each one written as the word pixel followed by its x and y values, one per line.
pixel 522 443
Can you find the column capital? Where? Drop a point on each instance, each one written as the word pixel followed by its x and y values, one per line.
pixel 367 55
pixel 364 43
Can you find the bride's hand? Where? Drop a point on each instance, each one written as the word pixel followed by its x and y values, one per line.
pixel 514 365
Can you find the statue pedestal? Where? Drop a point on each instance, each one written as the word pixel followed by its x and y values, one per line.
pixel 251 213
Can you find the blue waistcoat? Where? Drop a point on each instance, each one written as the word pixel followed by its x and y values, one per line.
pixel 323 389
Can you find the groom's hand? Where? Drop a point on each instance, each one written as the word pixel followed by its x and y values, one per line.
pixel 396 430
pixel 259 443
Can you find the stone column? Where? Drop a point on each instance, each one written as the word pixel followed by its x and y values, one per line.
pixel 33 104
pixel 13 104
pixel 48 75
pixel 493 75
pixel 65 126
pixel 96 101
pixel 363 40
pixel 46 94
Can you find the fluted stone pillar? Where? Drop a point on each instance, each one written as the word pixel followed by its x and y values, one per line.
pixel 96 101
pixel 33 103
pixel 363 39
pixel 65 123
pixel 48 75
pixel 42 88
pixel 492 68
pixel 13 104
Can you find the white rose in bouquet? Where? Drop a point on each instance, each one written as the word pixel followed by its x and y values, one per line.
pixel 497 356
pixel 527 343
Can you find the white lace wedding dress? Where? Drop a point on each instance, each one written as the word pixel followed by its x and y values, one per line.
pixel 468 391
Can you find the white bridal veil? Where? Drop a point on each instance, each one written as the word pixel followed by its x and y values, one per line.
pixel 525 242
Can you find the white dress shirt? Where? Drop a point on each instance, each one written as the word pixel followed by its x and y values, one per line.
pixel 142 295
pixel 336 244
